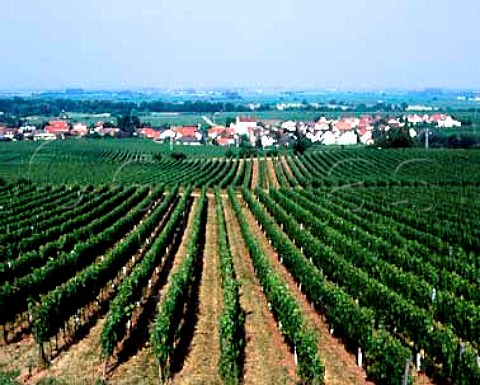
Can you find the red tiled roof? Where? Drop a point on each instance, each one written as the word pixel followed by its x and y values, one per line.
pixel 216 130
pixel 58 124
pixel 186 130
pixel 57 129
pixel 229 131
pixel 437 117
pixel 343 126
pixel 80 129
pixel 150 133
pixel 224 141
pixel 245 119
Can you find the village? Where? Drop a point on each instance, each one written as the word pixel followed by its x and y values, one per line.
pixel 265 133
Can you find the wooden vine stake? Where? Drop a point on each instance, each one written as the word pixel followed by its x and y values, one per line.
pixel 104 370
pixel 359 357
pixel 407 370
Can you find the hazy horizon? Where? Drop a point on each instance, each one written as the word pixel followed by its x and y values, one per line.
pixel 347 45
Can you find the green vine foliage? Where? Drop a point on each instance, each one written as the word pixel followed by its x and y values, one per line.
pixel 166 329
pixel 232 319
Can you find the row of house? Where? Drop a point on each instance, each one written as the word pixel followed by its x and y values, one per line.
pixel 271 132
pixel 58 129
pixel 188 135
pixel 61 127
pixel 265 132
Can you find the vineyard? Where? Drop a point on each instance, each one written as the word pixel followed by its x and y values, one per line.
pixel 130 264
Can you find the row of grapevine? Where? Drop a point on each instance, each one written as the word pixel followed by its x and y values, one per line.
pixel 22 240
pixel 56 307
pixel 215 175
pixel 286 309
pixel 229 178
pixel 282 180
pixel 262 173
pixel 28 209
pixel 385 356
pixel 459 230
pixel 280 163
pixel 20 189
pixel 427 245
pixel 166 330
pixel 412 323
pixel 15 296
pixel 232 319
pixel 296 172
pixel 21 201
pixel 463 315
pixel 387 243
pixel 26 263
pixel 130 290
pixel 237 181
pixel 65 224
pixel 248 173
pixel 49 210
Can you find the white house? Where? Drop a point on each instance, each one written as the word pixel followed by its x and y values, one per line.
pixel 79 129
pixel 315 137
pixel 347 138
pixel 167 134
pixel 267 141
pixel 449 122
pixel 415 119
pixel 44 136
pixel 329 138
pixel 243 125
pixel 367 138
pixel 290 126
pixel 323 124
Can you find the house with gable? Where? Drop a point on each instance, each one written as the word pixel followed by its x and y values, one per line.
pixel 57 127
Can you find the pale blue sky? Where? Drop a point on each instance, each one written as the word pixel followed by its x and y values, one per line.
pixel 349 44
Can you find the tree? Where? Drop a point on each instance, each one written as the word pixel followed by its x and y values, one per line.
pixel 393 138
pixel 177 155
pixel 244 141
pixel 128 123
pixel 301 145
pixel 229 120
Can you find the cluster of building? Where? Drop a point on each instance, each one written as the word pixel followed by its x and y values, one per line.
pixel 189 135
pixel 272 132
pixel 57 129
pixel 247 130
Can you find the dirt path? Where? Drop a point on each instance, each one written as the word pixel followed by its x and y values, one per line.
pixel 139 369
pixel 201 364
pixel 81 364
pixel 340 366
pixel 271 171
pixel 267 357
pixel 19 355
pixel 254 180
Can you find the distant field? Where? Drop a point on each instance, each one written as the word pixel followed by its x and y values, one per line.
pixel 161 119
